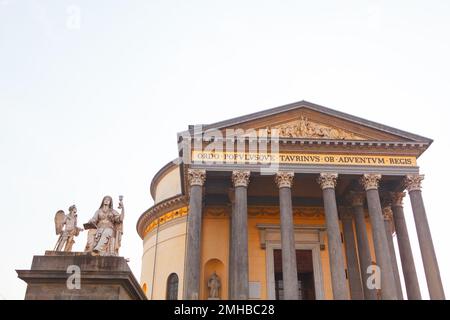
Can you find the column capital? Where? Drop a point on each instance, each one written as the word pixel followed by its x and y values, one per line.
pixel 385 199
pixel 240 178
pixel 388 217
pixel 387 213
pixel 196 177
pixel 284 179
pixel 413 181
pixel 327 180
pixel 356 198
pixel 397 198
pixel 370 181
pixel 345 213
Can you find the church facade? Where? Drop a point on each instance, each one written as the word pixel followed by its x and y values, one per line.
pixel 295 202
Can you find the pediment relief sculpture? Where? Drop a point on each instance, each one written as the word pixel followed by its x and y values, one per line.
pixel 305 128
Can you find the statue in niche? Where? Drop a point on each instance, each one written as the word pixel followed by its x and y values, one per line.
pixel 66 228
pixel 214 286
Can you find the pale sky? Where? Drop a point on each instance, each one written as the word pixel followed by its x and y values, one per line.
pixel 92 94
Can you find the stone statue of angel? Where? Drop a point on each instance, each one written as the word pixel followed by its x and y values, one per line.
pixel 106 228
pixel 66 228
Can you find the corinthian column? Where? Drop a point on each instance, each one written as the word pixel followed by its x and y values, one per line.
pixel 430 264
pixel 354 276
pixel 404 247
pixel 196 179
pixel 290 282
pixel 240 180
pixel 232 258
pixel 327 182
pixel 388 226
pixel 365 259
pixel 388 288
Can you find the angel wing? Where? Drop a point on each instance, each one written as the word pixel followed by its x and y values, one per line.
pixel 60 218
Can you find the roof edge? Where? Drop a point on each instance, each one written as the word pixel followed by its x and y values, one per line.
pixel 315 107
pixel 161 172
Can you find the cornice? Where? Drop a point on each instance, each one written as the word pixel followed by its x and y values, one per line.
pixel 158 210
pixel 159 175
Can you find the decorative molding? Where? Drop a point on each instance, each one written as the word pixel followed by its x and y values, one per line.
pixel 379 147
pixel 385 199
pixel 327 180
pixel 304 212
pixel 267 211
pixel 357 198
pixel 413 182
pixel 161 174
pixel 309 212
pixel 388 218
pixel 158 210
pixel 397 198
pixel 196 177
pixel 284 179
pixel 217 212
pixel 240 178
pixel 174 214
pixel 306 233
pixel 370 181
pixel 387 213
pixel 305 128
pixel 320 114
pixel 345 213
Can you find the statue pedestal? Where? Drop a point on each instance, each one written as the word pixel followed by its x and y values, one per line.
pixel 80 276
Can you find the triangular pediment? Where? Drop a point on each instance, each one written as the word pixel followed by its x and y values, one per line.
pixel 305 120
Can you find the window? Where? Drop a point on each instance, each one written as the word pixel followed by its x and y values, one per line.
pixel 172 287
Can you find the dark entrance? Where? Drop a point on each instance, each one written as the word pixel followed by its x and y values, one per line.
pixel 305 275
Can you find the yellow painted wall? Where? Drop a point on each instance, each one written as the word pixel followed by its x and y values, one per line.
pixel 170 255
pixel 148 262
pixel 257 255
pixel 326 272
pixel 344 253
pixel 215 245
pixel 168 186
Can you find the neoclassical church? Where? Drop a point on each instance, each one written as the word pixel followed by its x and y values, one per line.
pixel 295 202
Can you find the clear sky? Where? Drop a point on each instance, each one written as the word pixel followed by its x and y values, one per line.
pixel 92 94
